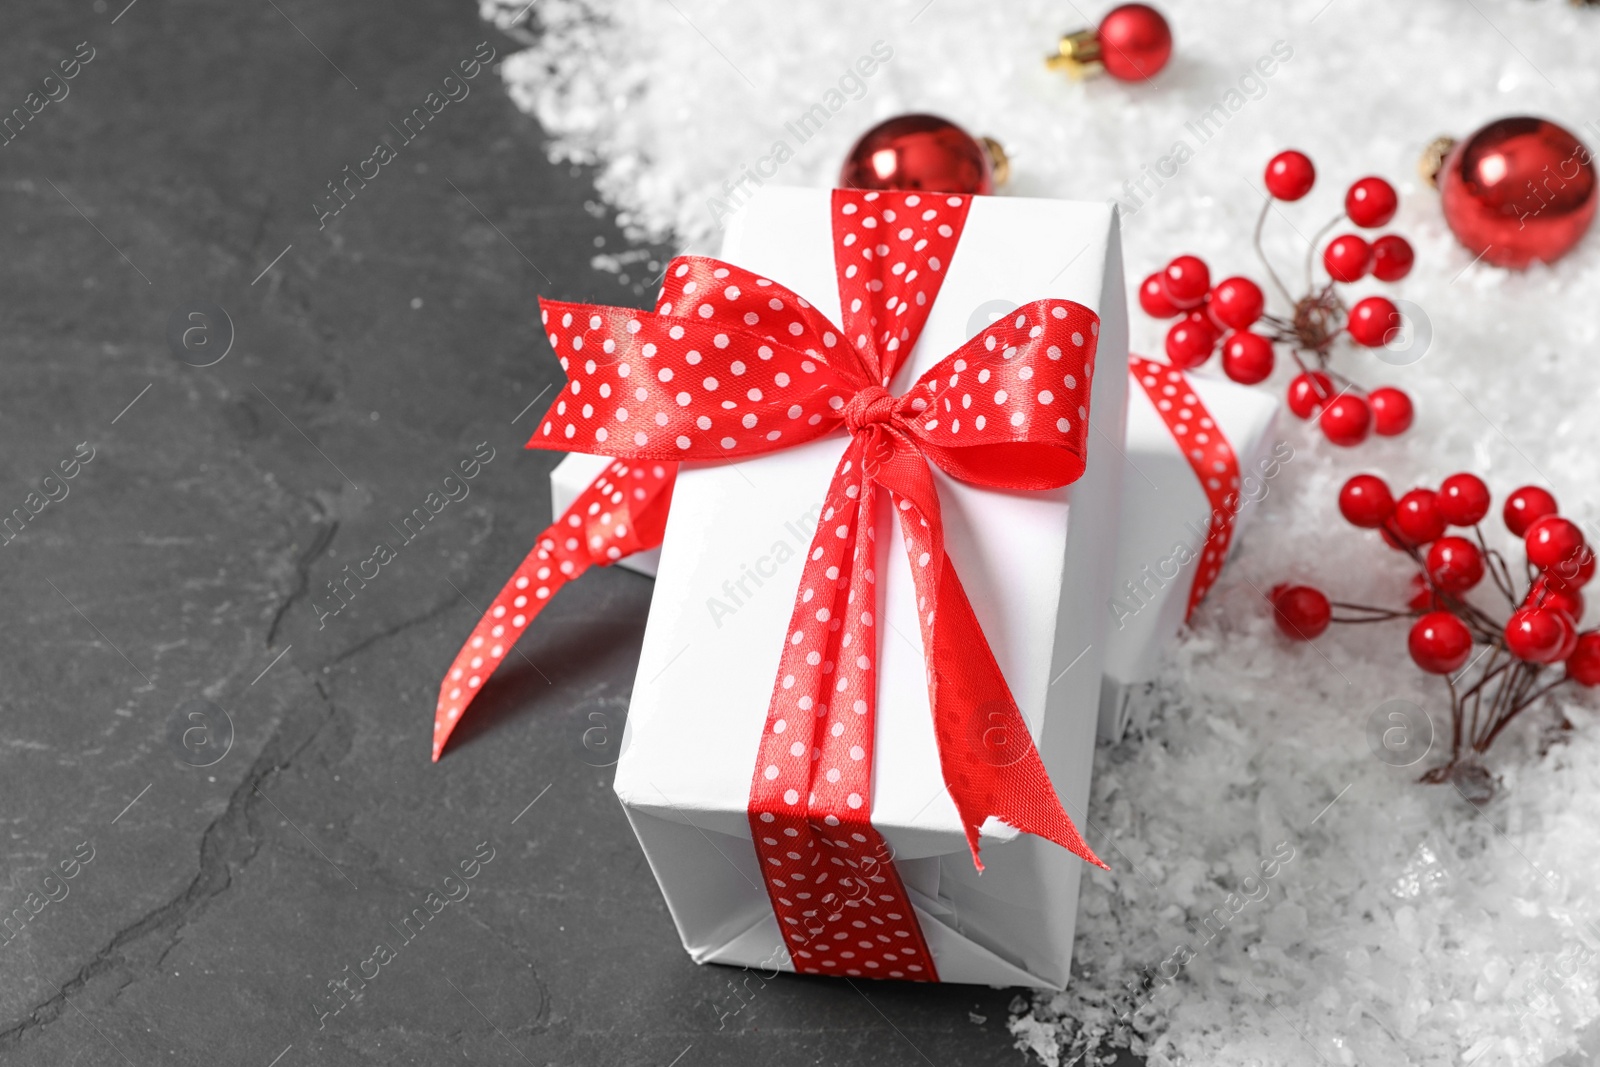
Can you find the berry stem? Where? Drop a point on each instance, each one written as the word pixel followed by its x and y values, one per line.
pixel 1261 221
pixel 1311 253
pixel 1497 566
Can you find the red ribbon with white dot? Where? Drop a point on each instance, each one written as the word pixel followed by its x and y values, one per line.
pixel 733 365
pixel 1210 455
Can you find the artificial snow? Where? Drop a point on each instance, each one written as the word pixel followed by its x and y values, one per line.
pixel 1399 923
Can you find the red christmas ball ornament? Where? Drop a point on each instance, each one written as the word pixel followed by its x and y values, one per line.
pixel 923 153
pixel 1537 635
pixel 1526 506
pixel 1132 43
pixel 1186 280
pixel 1290 175
pixel 1554 543
pixel 1154 300
pixel 1370 203
pixel 1301 612
pixel 1417 518
pixel 1247 357
pixel 1346 420
pixel 1462 499
pixel 1191 341
pixel 1236 303
pixel 1366 501
pixel 1454 564
pixel 1347 258
pixel 1439 642
pixel 1391 411
pixel 1372 321
pixel 1519 190
pixel 1583 665
pixel 1392 257
pixel 1308 392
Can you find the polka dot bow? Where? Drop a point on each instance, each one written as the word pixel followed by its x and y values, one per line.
pixel 733 365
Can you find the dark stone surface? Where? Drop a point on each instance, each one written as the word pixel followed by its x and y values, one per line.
pixel 166 605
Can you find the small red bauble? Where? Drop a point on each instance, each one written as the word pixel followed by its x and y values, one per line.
pixel 1463 499
pixel 1135 42
pixel 1154 300
pixel 1392 258
pixel 1519 190
pixel 1391 411
pixel 1247 357
pixel 1544 594
pixel 1439 642
pixel 918 153
pixel 1236 303
pixel 1584 664
pixel 1416 516
pixel 1346 420
pixel 1290 175
pixel 1536 635
pixel 1300 611
pixel 1454 564
pixel 1554 542
pixel 1308 392
pixel 1370 203
pixel 1365 501
pixel 1186 279
pixel 1191 341
pixel 1347 258
pixel 1526 506
pixel 1372 320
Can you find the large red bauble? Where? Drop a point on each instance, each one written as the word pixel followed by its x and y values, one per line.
pixel 1135 42
pixel 1583 666
pixel 1439 642
pixel 1519 190
pixel 918 153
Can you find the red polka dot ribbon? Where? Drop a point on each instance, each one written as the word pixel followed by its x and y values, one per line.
pixel 1203 444
pixel 734 365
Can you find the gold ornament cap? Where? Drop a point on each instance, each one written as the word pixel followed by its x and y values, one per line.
pixel 999 163
pixel 1078 54
pixel 1433 157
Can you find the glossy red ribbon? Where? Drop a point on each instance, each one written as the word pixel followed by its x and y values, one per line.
pixel 733 365
pixel 1210 456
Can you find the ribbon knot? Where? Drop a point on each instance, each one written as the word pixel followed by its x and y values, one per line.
pixel 873 404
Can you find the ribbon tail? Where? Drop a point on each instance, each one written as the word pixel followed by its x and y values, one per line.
pixel 985 750
pixel 621 512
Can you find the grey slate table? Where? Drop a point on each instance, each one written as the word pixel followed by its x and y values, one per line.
pixel 247 772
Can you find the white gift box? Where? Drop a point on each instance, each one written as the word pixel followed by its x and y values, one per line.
pixel 1036 566
pixel 1164 507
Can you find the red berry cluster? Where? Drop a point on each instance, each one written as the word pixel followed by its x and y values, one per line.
pixel 1222 317
pixel 1540 630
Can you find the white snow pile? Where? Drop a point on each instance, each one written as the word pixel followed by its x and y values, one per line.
pixel 1278 895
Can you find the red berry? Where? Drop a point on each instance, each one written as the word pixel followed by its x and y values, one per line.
pixel 1373 320
pixel 1421 597
pixel 1301 612
pixel 1391 411
pixel 1545 594
pixel 1153 298
pixel 1347 258
pixel 1573 573
pixel 1365 501
pixel 1290 175
pixel 1526 506
pixel 1553 542
pixel 1463 500
pixel 1583 666
pixel 1191 341
pixel 1454 564
pixel 1308 392
pixel 1346 420
pixel 1417 518
pixel 1236 303
pixel 1187 279
pixel 1391 258
pixel 1247 357
pixel 1536 635
pixel 1569 633
pixel 1371 202
pixel 1439 642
